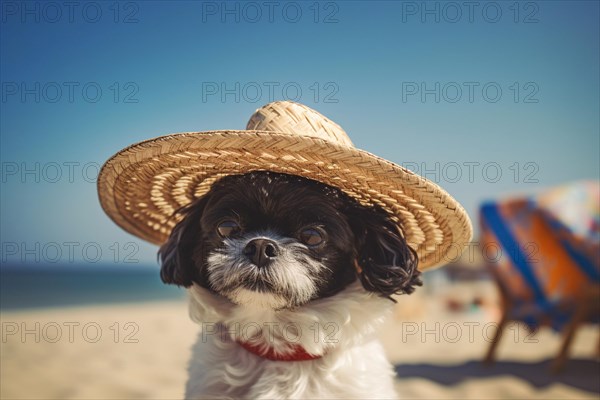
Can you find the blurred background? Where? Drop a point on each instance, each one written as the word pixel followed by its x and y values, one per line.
pixel 497 102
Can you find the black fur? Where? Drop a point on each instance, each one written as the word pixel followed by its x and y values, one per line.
pixel 176 255
pixel 387 264
pixel 283 204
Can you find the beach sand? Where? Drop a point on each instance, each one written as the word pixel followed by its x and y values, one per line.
pixel 140 351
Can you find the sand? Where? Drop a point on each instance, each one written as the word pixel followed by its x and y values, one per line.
pixel 140 351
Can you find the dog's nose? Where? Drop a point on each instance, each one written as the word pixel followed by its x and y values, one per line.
pixel 261 251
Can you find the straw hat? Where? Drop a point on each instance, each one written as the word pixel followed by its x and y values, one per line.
pixel 143 185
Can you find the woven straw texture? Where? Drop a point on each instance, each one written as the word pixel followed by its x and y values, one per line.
pixel 143 185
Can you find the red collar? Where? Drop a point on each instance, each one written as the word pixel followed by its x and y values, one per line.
pixel 299 354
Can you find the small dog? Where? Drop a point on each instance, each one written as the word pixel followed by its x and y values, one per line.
pixel 289 279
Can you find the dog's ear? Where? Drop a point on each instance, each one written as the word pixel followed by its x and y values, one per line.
pixel 176 255
pixel 385 263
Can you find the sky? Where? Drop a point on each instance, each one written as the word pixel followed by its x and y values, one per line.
pixel 487 99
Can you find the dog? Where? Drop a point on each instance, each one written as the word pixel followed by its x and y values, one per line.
pixel 290 280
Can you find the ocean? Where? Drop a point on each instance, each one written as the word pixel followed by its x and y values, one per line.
pixel 27 287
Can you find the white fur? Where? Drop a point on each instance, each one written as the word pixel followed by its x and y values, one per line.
pixel 290 273
pixel 257 300
pixel 342 328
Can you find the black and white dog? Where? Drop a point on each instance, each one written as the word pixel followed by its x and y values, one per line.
pixel 289 279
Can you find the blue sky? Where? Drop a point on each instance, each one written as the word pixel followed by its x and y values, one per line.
pixel 80 84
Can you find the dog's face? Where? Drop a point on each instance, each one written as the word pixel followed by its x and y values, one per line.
pixel 278 241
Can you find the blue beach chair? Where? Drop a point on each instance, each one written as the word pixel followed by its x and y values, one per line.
pixel 544 253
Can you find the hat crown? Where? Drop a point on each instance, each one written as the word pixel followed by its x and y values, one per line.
pixel 297 119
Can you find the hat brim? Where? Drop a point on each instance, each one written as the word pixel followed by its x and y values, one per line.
pixel 143 185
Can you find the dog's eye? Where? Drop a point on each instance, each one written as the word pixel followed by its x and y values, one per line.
pixel 311 237
pixel 228 228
